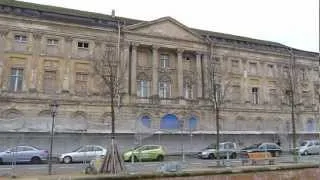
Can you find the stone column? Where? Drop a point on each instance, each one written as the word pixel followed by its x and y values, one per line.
pixel 125 65
pixel 263 84
pixel 205 76
pixel 180 73
pixel 199 75
pixel 134 69
pixel 3 38
pixel 155 63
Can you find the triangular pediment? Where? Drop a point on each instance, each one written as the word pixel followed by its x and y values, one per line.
pixel 165 27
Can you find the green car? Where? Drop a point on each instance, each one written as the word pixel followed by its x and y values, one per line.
pixel 145 153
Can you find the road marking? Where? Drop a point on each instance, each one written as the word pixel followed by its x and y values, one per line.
pixel 5 168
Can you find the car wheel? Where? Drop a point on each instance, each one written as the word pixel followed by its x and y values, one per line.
pixel 306 153
pixel 211 156
pixel 35 160
pixel 233 156
pixel 160 158
pixel 67 159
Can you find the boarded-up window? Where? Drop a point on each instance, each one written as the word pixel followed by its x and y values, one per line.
pixel 50 81
pixel 273 99
pixel 236 94
pixel 81 83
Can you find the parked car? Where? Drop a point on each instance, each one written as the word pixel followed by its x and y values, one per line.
pixel 225 149
pixel 145 153
pixel 273 148
pixel 309 147
pixel 22 154
pixel 83 154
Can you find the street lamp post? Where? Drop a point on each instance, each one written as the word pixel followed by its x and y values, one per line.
pixel 53 107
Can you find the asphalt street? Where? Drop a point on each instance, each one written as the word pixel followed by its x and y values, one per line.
pixel 137 167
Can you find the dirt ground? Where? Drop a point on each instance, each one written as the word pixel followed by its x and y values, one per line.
pixel 301 174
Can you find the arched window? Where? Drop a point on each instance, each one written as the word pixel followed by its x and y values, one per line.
pixel 169 121
pixel 165 87
pixel 146 121
pixel 311 127
pixel 187 87
pixel 193 123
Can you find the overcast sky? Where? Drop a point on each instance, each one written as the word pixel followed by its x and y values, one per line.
pixel 291 22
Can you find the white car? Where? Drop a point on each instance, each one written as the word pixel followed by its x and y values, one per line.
pixel 83 154
pixel 309 147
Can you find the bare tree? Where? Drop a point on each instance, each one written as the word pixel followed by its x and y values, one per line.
pixel 217 88
pixel 110 71
pixel 290 85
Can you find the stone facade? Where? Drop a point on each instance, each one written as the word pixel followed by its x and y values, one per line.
pixel 47 53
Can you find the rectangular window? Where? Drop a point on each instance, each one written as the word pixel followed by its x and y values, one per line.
pixel 52 42
pixel 16 79
pixel 253 68
pixel 81 82
pixel 235 65
pixel 188 93
pixel 273 99
pixel 236 93
pixel 164 61
pixel 270 70
pixel 303 74
pixel 255 95
pixel 164 90
pixel 50 81
pixel 82 44
pixel 143 88
pixel 286 72
pixel 20 38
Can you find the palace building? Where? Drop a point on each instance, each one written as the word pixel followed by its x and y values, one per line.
pixel 46 54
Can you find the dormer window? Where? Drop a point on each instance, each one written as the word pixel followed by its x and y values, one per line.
pixel 20 38
pixel 82 44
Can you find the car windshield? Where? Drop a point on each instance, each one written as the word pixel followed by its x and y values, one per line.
pixel 304 143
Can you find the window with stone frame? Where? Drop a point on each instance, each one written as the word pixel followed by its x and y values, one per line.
pixel 253 68
pixel 188 89
pixel 235 94
pixel 286 72
pixel 287 96
pixel 165 87
pixel 52 42
pixel 20 42
pixel 15 79
pixel 254 95
pixel 20 38
pixel 306 98
pixel 270 70
pixel 164 61
pixel 50 81
pixel 81 84
pixel 235 66
pixel 273 98
pixel 83 45
pixel 143 88
pixel 303 74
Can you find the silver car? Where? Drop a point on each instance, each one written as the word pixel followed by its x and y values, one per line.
pixel 21 154
pixel 83 154
pixel 309 147
pixel 226 150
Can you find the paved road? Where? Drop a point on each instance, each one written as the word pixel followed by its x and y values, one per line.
pixel 190 162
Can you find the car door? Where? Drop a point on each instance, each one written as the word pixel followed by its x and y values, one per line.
pixel 223 150
pixel 81 154
pixel 317 147
pixel 312 147
pixel 8 155
pixel 91 154
pixel 27 153
pixel 98 151
pixel 144 153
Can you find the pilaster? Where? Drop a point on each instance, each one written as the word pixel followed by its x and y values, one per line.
pixel 180 72
pixel 134 69
pixel 155 63
pixel 199 75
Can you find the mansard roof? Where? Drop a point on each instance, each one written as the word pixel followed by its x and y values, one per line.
pixel 54 13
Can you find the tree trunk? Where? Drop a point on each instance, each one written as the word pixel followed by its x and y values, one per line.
pixel 112 118
pixel 293 122
pixel 218 134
